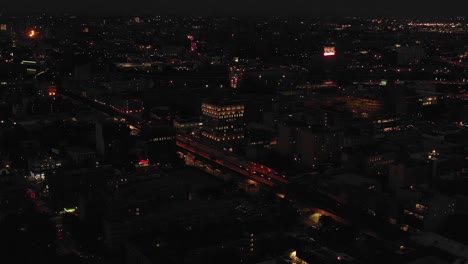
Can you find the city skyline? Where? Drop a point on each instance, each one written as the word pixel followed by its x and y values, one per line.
pixel 147 139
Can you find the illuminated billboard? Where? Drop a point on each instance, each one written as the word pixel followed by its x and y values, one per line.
pixel 328 51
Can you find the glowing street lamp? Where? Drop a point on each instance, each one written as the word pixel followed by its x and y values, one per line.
pixel 32 33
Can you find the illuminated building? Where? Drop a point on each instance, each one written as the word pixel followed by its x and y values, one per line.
pixel 428 100
pixel 387 125
pixel 379 163
pixel 428 213
pixel 160 142
pixel 234 81
pixel 127 106
pixel 308 145
pixel 187 125
pixel 364 107
pixel 235 76
pixel 40 166
pixel 223 123
pixel 3 27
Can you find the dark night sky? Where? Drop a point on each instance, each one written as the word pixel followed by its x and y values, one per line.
pixel 244 7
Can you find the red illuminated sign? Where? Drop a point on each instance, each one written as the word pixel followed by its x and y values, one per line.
pixel 143 162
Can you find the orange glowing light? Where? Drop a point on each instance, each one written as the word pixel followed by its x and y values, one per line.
pixel 52 90
pixel 281 195
pixel 32 33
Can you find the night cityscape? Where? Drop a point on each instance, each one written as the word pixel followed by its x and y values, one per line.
pixel 255 139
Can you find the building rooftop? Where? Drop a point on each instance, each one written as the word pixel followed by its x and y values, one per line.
pixel 430 239
pixel 352 179
pixel 428 260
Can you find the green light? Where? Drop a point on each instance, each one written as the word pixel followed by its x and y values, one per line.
pixel 28 62
pixel 69 210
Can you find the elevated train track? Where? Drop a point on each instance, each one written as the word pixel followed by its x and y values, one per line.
pixel 254 171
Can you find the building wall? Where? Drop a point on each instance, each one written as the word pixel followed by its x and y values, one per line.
pixel 308 146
